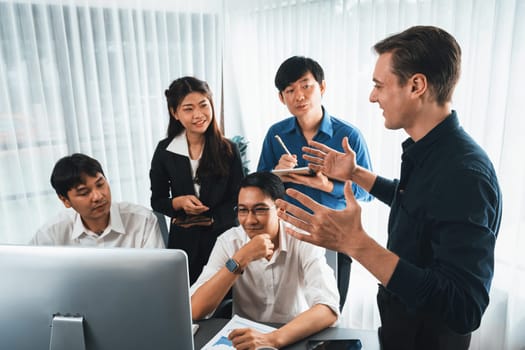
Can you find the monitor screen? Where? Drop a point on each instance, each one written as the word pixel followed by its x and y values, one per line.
pixel 124 298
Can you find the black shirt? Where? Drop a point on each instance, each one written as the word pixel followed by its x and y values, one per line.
pixel 444 219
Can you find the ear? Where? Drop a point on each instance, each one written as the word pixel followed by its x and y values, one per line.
pixel 322 87
pixel 418 83
pixel 281 98
pixel 64 201
pixel 173 113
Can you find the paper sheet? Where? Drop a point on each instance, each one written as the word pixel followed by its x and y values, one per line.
pixel 221 342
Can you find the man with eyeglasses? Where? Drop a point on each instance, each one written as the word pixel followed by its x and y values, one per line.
pixel 275 277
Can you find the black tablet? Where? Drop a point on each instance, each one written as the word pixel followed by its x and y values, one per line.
pixel 335 344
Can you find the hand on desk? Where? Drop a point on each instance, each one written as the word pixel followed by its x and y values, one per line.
pixel 250 339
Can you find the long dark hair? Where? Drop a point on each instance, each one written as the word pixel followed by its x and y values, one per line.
pixel 217 151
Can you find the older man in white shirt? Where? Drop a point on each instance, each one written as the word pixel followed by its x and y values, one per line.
pixel 275 278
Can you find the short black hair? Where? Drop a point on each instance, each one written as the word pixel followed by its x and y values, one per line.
pixel 269 183
pixel 428 50
pixel 295 67
pixel 70 171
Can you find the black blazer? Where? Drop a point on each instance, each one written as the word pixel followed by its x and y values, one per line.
pixel 170 176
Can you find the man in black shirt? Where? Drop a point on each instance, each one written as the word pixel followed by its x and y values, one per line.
pixel 436 271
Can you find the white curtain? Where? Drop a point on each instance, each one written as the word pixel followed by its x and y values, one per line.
pixel 89 76
pixel 339 34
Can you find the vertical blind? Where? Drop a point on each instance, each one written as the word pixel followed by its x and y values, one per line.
pixel 80 78
pixel 339 34
pixel 89 76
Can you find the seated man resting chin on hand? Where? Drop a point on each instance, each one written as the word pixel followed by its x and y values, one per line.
pixel 275 277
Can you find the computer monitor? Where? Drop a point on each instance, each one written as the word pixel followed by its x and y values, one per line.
pixel 51 297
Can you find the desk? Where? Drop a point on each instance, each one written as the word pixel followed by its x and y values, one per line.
pixel 208 328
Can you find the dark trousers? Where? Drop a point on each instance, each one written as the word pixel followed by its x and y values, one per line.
pixel 198 244
pixel 344 266
pixel 406 330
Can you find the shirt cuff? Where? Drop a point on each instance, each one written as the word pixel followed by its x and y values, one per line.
pixel 384 189
pixel 405 282
pixel 339 187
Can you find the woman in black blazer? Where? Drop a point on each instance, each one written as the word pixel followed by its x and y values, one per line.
pixel 195 173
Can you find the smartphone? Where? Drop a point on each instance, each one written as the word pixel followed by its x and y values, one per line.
pixel 335 344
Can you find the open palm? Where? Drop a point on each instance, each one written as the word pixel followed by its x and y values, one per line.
pixel 334 164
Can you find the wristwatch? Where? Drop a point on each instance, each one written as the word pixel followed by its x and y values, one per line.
pixel 233 266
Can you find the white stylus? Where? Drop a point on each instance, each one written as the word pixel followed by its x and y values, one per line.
pixel 282 144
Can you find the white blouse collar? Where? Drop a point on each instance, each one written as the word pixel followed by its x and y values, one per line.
pixel 179 145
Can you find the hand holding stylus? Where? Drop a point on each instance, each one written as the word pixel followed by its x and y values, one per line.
pixel 287 160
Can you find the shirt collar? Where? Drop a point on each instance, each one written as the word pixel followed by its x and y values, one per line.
pixel 115 220
pixel 283 246
pixel 418 151
pixel 326 124
pixel 179 145
pixel 78 227
pixel 115 223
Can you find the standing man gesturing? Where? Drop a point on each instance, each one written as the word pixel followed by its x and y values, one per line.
pixel 436 271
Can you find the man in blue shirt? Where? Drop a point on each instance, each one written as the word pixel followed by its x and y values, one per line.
pixel 301 85
pixel 436 271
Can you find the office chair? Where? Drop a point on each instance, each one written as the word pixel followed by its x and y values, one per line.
pixel 344 267
pixel 334 260
pixel 163 223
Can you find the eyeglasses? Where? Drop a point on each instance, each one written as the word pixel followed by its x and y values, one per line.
pixel 257 211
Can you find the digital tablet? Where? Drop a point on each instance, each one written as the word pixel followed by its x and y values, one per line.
pixel 299 171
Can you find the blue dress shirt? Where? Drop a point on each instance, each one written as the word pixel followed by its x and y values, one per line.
pixel 330 133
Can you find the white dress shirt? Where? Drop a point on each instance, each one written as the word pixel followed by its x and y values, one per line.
pixel 130 226
pixel 296 278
